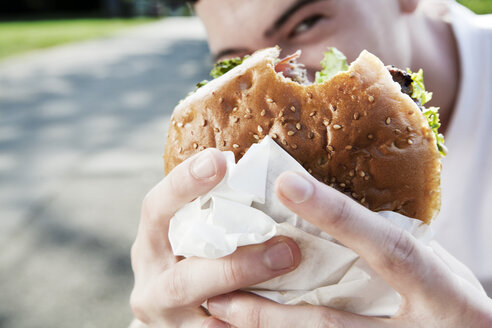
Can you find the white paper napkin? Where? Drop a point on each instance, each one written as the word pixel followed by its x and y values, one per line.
pixel 243 210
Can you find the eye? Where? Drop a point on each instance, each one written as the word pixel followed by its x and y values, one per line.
pixel 305 25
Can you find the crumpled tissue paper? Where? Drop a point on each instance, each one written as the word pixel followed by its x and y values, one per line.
pixel 243 210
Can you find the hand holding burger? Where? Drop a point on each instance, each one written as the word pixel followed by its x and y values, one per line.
pixel 438 291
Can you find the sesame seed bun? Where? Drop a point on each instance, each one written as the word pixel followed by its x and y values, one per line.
pixel 356 132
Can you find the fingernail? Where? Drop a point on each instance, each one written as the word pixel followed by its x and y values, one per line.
pixel 217 306
pixel 279 257
pixel 295 187
pixel 203 167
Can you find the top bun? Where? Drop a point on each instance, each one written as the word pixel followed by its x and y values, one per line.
pixel 356 132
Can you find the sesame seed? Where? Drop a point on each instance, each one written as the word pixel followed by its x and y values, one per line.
pixel 221 100
pixel 388 121
pixel 284 142
pixel 235 119
pixel 180 150
pixel 363 200
pixel 397 131
pixel 332 108
pixel 195 145
pixel 337 127
pixel 201 148
pixel 312 114
pixel 274 136
pixel 348 147
pixel 356 116
pixel 311 135
pixel 174 122
pixel 366 178
pixel 352 97
pixel 256 137
pixel 352 74
pixel 282 113
pixel 330 148
pixel 326 123
pixel 248 110
pixel 247 116
pixel 290 133
pixel 343 185
pixel 260 129
pixel 410 141
pixel 234 109
pixel 370 136
pixel 263 113
pixel 371 98
pixel 409 129
pixel 352 173
pixel 216 129
pixel 355 195
pixel 223 143
pixel 293 109
pixel 298 126
pixel 362 174
pixel 269 100
pixel 294 146
pixel 333 179
pixel 235 146
pixel 204 123
pixel 310 171
pixel 180 124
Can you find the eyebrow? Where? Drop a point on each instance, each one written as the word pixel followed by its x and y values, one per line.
pixel 288 13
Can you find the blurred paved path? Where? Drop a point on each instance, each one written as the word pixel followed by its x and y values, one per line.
pixel 82 128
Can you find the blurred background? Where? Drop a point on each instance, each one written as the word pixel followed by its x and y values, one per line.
pixel 86 92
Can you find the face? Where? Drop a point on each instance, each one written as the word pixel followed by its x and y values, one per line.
pixel 239 27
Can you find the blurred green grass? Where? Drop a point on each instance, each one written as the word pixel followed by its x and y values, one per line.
pixel 23 36
pixel 478 6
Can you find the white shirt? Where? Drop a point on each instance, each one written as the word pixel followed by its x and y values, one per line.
pixel 464 225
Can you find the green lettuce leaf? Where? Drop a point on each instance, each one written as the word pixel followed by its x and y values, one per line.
pixel 333 63
pixel 201 84
pixel 431 113
pixel 224 66
pixel 419 92
pixel 220 68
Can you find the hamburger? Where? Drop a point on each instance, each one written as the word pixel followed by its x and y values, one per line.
pixel 362 129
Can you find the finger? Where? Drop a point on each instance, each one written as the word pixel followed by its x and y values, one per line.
pixel 190 282
pixel 393 253
pixel 192 178
pixel 247 310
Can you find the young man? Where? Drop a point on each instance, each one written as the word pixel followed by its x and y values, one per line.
pixel 454 47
